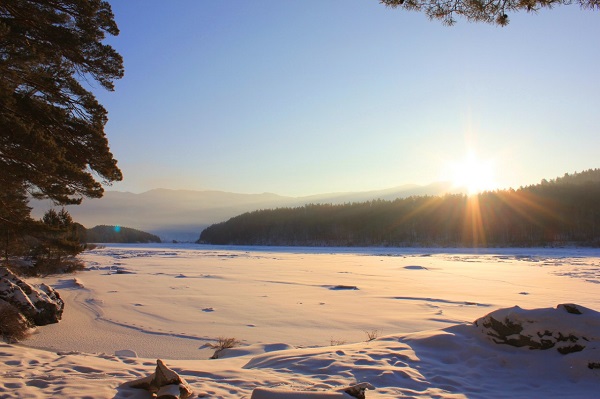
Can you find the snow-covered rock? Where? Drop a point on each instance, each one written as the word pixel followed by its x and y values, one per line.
pixel 40 304
pixel 567 328
pixel 163 383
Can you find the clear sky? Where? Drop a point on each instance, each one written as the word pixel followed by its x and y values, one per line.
pixel 301 97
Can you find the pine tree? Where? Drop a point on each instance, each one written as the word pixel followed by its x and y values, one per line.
pixel 14 219
pixel 492 11
pixel 58 243
pixel 52 136
pixel 52 140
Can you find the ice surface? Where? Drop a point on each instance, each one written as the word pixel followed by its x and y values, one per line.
pixel 298 334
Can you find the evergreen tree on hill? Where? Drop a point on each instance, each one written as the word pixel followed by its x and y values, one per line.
pixel 118 234
pixel 563 211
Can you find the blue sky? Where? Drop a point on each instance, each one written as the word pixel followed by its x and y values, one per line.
pixel 302 97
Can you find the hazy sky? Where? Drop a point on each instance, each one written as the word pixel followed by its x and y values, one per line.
pixel 302 97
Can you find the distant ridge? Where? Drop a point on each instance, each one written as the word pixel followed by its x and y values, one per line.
pixel 404 191
pixel 563 211
pixel 182 214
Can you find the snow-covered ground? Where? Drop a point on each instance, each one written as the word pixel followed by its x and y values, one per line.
pixel 305 318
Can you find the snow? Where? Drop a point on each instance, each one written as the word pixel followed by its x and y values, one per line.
pixel 137 303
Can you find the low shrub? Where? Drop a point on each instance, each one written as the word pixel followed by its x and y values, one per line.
pixel 221 344
pixel 13 325
pixel 337 342
pixel 372 335
pixel 47 266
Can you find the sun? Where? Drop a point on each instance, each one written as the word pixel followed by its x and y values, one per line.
pixel 473 174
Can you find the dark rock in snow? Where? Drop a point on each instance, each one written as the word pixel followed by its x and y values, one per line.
pixel 568 328
pixel 344 287
pixel 40 304
pixel 571 308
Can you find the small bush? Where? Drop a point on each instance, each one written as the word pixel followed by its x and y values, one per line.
pixel 371 335
pixel 13 325
pixel 73 265
pixel 221 344
pixel 336 342
pixel 20 266
pixel 47 266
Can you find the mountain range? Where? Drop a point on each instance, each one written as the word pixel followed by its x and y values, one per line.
pixel 182 214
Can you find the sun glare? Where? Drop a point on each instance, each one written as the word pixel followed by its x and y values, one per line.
pixel 473 174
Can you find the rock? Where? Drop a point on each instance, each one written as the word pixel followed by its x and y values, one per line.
pixel 571 308
pixel 272 393
pixel 344 287
pixel 164 383
pixel 40 304
pixel 354 391
pixel 568 328
pixel 358 390
pixel 169 392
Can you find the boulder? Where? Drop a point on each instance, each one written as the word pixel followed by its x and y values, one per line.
pixel 40 304
pixel 567 328
pixel 164 383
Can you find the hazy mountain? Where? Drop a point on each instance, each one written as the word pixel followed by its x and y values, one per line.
pixel 183 214
pixel 404 191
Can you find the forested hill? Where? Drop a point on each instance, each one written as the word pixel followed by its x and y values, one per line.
pixel 561 211
pixel 118 234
